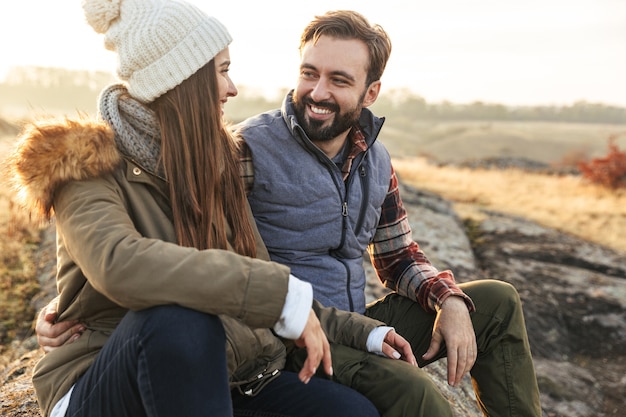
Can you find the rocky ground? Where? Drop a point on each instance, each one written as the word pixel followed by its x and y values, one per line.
pixel 574 295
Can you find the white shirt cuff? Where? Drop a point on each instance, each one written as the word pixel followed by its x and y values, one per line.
pixel 62 405
pixel 376 338
pixel 296 310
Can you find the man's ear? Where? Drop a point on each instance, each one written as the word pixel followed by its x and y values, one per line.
pixel 371 94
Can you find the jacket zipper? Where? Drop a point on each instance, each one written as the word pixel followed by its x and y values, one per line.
pixel 344 214
pixel 330 167
pixel 365 193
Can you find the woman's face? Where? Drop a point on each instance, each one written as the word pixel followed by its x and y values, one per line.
pixel 226 87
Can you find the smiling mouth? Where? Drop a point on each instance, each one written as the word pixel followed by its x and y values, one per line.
pixel 320 110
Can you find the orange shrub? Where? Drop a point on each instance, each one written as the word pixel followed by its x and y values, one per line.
pixel 608 171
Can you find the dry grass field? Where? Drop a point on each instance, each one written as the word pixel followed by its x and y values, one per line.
pixel 566 203
pixel 18 283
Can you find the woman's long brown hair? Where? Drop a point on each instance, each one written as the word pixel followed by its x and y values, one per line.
pixel 201 166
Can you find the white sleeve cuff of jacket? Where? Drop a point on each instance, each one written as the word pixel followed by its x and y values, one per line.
pixel 296 309
pixel 376 338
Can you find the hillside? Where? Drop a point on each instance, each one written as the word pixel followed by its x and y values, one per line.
pixel 458 141
pixel 7 129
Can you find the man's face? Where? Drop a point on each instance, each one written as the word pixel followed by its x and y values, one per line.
pixel 331 89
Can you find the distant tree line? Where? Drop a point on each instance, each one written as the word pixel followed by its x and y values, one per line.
pixel 60 88
pixel 404 103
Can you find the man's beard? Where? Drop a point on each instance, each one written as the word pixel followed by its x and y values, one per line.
pixel 315 130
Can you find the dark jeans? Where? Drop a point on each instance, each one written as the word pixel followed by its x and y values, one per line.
pixel 287 396
pixel 171 361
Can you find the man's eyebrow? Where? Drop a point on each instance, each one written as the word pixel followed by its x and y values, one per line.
pixel 308 66
pixel 335 73
pixel 344 75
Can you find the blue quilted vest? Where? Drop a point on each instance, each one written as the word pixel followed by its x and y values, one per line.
pixel 310 219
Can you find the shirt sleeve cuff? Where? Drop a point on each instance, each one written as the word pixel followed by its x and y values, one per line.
pixel 376 338
pixel 468 301
pixel 296 310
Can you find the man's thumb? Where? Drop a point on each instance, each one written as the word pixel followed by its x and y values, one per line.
pixel 435 344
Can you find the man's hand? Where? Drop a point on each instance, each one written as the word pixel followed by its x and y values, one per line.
pixel 317 347
pixel 51 335
pixel 396 347
pixel 454 328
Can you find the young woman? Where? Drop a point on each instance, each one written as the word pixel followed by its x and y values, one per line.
pixel 158 255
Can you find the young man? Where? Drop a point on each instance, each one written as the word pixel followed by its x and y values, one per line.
pixel 323 191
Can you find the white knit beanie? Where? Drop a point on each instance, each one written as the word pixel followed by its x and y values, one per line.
pixel 160 43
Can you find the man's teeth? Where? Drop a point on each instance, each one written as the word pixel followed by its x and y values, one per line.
pixel 318 110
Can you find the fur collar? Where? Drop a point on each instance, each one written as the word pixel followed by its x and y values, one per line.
pixel 49 154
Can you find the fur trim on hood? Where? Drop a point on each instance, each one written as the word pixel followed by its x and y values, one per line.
pixel 49 154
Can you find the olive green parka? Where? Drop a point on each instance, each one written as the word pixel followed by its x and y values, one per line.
pixel 116 252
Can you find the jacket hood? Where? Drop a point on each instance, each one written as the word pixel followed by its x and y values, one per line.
pixel 49 154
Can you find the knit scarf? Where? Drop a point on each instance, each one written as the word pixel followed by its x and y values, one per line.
pixel 137 133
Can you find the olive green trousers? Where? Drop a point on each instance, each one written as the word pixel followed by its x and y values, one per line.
pixel 503 376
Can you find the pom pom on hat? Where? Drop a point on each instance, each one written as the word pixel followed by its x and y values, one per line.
pixel 100 14
pixel 159 43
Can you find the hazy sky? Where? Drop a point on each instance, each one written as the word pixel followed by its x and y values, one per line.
pixel 507 51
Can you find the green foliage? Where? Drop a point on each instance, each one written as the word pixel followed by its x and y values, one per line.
pixel 608 171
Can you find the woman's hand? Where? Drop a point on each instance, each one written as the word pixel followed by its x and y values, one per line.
pixel 51 335
pixel 396 347
pixel 317 347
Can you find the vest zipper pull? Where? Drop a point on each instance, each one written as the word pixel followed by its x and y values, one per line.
pixel 344 209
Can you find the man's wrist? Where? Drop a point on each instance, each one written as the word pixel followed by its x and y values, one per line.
pixel 455 298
